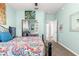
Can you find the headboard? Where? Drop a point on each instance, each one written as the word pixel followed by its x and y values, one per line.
pixel 3 29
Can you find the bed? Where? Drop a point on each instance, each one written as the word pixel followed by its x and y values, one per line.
pixel 23 46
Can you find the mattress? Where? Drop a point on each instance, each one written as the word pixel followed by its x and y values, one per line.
pixel 22 46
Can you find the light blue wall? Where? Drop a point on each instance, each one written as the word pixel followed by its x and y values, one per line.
pixel 40 16
pixel 10 16
pixel 19 17
pixel 14 17
pixel 50 17
pixel 67 37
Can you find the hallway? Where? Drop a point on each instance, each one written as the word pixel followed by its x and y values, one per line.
pixel 58 50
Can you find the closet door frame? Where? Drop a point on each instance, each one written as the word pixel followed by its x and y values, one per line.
pixel 49 29
pixel 22 25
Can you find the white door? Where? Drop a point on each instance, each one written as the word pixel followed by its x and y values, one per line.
pixel 51 30
pixel 47 31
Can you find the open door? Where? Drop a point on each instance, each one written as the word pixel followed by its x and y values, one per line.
pixel 51 30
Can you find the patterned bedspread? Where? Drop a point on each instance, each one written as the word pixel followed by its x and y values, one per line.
pixel 22 46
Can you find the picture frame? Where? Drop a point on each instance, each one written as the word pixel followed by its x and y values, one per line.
pixel 74 22
pixel 60 27
pixel 2 13
pixel 30 14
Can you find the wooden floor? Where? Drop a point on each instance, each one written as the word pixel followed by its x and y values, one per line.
pixel 58 50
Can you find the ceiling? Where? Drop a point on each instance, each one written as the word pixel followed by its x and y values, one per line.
pixel 49 8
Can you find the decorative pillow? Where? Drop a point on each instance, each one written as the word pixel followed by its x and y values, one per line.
pixel 5 36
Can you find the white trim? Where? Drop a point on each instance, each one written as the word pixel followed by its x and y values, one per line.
pixel 68 49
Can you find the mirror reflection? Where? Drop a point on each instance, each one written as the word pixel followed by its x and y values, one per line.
pixel 29 27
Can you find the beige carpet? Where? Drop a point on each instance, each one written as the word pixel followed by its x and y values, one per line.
pixel 58 50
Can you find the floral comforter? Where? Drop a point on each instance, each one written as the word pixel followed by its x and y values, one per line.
pixel 22 46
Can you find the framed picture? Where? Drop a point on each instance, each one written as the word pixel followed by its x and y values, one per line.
pixel 29 14
pixel 74 22
pixel 2 13
pixel 60 27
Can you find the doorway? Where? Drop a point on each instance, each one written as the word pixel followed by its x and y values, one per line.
pixel 51 30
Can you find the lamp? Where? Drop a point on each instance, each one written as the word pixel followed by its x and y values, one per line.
pixel 36 6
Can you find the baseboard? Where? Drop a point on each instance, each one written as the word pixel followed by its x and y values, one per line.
pixel 68 49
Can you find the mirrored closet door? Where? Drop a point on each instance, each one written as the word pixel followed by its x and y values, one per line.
pixel 29 27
